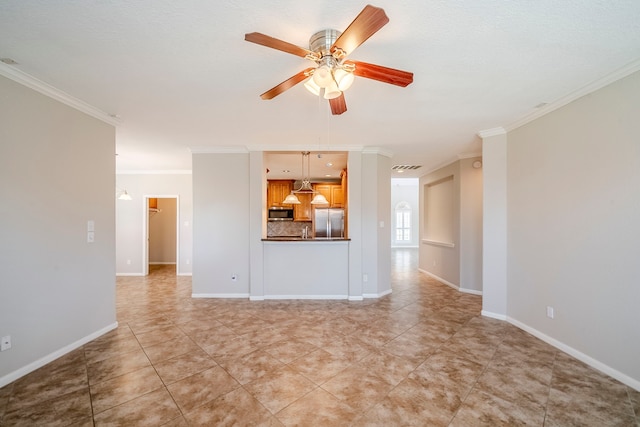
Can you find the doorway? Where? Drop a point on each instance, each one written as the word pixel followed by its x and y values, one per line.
pixel 162 239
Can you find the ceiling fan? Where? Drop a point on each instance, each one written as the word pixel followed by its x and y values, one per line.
pixel 333 73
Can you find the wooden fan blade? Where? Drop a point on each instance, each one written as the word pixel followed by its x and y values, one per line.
pixel 274 43
pixel 338 105
pixel 382 74
pixel 366 24
pixel 287 84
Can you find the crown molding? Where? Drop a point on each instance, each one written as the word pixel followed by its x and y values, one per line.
pixel 585 90
pixel 46 89
pixel 219 150
pixel 469 155
pixel 377 150
pixel 315 148
pixel 491 132
pixel 154 172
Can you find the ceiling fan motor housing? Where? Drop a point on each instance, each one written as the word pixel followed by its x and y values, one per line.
pixel 322 41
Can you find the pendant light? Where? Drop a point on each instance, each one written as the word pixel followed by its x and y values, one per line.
pixel 124 195
pixel 305 187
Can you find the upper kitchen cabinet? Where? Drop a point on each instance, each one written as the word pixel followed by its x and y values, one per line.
pixel 336 194
pixel 277 190
pixel 302 212
pixel 333 193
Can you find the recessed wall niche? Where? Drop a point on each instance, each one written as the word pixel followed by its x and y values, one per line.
pixel 439 211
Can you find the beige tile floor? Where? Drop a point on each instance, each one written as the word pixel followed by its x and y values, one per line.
pixel 421 356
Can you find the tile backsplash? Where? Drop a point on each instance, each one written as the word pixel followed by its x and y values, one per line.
pixel 287 228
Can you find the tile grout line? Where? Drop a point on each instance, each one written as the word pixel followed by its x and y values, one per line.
pixel 464 399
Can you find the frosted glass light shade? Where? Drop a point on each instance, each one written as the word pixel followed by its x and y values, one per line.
pixel 124 196
pixel 322 76
pixel 319 199
pixel 291 199
pixel 312 87
pixel 332 91
pixel 344 79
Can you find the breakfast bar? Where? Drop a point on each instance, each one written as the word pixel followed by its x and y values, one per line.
pixel 296 268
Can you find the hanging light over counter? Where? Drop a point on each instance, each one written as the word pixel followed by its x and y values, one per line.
pixel 305 187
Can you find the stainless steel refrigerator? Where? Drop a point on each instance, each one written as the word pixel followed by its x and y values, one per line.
pixel 328 223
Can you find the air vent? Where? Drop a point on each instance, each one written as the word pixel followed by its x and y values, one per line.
pixel 405 167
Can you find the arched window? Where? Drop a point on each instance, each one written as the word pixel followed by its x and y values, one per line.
pixel 403 222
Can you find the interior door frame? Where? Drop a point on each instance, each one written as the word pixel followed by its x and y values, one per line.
pixel 145 228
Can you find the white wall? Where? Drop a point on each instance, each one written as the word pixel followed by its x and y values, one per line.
pixel 221 224
pixel 56 173
pixel 494 223
pixel 405 190
pixel 376 220
pixel 131 219
pixel 470 225
pixel 574 226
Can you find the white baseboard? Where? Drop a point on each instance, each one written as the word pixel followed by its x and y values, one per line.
pixel 272 297
pixel 11 377
pixel 453 285
pixel 219 295
pixel 185 274
pixel 493 315
pixel 440 279
pixel 380 295
pixel 623 378
pixel 356 298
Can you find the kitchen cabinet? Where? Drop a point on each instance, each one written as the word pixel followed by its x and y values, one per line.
pixel 302 212
pixel 333 193
pixel 337 196
pixel 277 190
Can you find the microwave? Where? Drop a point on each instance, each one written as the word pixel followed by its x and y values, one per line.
pixel 280 214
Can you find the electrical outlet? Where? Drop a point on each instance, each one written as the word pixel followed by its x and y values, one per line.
pixel 5 343
pixel 365 277
pixel 550 312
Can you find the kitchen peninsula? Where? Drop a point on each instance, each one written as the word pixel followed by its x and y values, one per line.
pixel 306 251
pixel 306 268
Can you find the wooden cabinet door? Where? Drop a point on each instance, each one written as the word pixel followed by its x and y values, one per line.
pixel 337 196
pixel 277 190
pixel 325 190
pixel 302 212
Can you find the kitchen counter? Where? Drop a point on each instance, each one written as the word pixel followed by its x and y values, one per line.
pixel 300 239
pixel 297 268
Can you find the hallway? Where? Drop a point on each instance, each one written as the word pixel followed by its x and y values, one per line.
pixel 420 356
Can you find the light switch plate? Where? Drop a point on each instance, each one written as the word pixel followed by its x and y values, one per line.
pixel 5 343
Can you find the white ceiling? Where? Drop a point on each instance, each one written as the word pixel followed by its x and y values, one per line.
pixel 179 74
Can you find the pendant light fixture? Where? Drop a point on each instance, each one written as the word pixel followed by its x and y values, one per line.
pixel 305 187
pixel 124 195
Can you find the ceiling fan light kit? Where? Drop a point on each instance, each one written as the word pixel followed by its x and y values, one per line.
pixel 329 48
